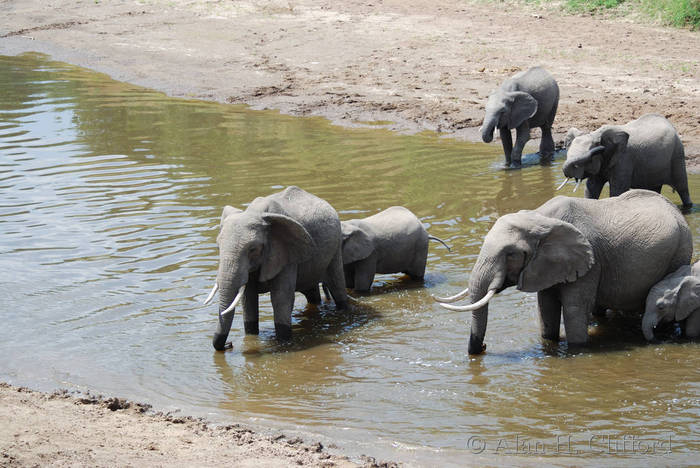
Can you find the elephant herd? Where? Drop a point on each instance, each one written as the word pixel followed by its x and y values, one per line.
pixel 629 252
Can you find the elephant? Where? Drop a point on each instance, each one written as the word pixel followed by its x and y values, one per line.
pixel 391 241
pixel 528 99
pixel 579 255
pixel 675 298
pixel 645 153
pixel 288 241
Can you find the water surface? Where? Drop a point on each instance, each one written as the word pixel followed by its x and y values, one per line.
pixel 110 197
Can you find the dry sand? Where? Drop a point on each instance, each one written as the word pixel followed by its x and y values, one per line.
pixel 420 65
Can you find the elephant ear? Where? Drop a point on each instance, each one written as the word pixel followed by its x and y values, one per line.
pixel 571 136
pixel 288 242
pixel 562 255
pixel 522 108
pixel 356 243
pixel 228 211
pixel 688 297
pixel 615 142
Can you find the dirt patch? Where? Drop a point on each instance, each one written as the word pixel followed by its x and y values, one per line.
pixel 88 430
pixel 422 65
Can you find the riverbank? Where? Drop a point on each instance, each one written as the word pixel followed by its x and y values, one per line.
pixel 412 66
pixel 86 430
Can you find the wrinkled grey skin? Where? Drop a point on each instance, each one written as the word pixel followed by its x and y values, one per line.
pixel 676 298
pixel 285 242
pixel 391 241
pixel 644 153
pixel 580 255
pixel 527 100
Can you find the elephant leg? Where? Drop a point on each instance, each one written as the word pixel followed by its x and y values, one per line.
pixel 250 308
pixel 620 184
pixel 364 274
pixel 282 298
pixel 420 258
pixel 692 325
pixel 578 301
pixel 550 313
pixel 335 281
pixel 507 141
pixel 522 135
pixel 679 178
pixel 313 295
pixel 594 186
pixel 546 145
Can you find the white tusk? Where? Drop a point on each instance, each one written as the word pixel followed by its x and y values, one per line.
pixel 454 298
pixel 563 183
pixel 477 305
pixel 578 182
pixel 235 302
pixel 211 294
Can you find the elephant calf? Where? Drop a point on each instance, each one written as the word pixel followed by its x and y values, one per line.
pixel 528 99
pixel 676 298
pixel 579 256
pixel 392 241
pixel 288 241
pixel 645 153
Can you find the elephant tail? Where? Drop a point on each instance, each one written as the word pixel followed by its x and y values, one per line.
pixel 440 241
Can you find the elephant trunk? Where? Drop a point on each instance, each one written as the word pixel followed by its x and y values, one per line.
pixel 488 127
pixel 487 277
pixel 650 320
pixel 228 293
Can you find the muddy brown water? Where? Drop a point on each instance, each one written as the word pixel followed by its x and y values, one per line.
pixel 110 197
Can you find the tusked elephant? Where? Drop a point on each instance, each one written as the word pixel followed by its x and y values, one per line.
pixel 676 298
pixel 579 255
pixel 391 241
pixel 286 242
pixel 644 153
pixel 527 100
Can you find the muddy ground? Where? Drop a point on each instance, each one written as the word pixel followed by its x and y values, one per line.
pixel 419 64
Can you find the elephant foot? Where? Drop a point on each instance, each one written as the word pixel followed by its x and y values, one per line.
pixel 251 328
pixel 515 165
pixel 283 332
pixel 342 305
pixel 476 345
pixel 546 159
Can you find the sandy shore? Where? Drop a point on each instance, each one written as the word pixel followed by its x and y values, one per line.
pixel 418 65
pixel 421 65
pixel 61 429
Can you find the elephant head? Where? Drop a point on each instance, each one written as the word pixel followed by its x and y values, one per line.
pixel 254 245
pixel 675 304
pixel 527 250
pixel 587 154
pixel 357 242
pixel 506 109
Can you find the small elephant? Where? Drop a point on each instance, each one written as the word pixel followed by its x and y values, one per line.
pixel 676 298
pixel 286 242
pixel 391 241
pixel 528 99
pixel 579 255
pixel 644 153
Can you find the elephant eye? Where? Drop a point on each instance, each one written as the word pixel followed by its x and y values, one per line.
pixel 255 251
